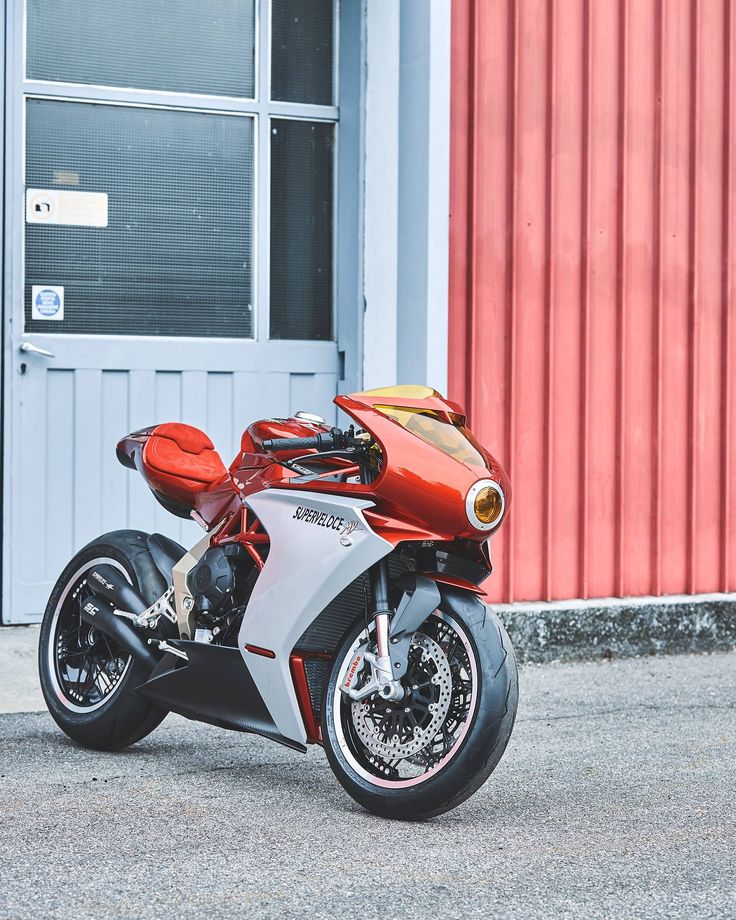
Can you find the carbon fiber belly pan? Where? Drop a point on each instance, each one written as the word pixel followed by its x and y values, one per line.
pixel 213 686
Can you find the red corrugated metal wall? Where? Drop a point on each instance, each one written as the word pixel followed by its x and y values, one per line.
pixel 592 312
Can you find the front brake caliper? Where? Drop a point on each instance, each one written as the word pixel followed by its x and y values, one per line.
pixel 355 670
pixel 378 682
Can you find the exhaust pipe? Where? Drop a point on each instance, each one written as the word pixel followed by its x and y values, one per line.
pixel 110 585
pixel 104 619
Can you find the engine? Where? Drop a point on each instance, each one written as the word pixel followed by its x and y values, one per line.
pixel 220 584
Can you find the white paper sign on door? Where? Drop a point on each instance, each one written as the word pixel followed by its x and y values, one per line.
pixel 47 301
pixel 75 209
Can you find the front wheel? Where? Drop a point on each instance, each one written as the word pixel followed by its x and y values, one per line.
pixel 429 752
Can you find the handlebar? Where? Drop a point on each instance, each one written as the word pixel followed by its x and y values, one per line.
pixel 334 439
pixel 318 442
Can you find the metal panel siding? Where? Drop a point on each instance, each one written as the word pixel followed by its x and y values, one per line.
pixel 591 287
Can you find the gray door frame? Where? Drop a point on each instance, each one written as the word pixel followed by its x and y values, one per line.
pixel 407 196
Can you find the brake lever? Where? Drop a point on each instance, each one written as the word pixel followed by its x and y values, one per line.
pixel 294 467
pixel 347 453
pixel 344 452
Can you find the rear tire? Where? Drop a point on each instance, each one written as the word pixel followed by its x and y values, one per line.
pixel 120 716
pixel 376 783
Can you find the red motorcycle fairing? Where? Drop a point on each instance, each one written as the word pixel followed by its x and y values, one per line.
pixel 411 469
pixel 182 469
pixel 186 474
pixel 454 581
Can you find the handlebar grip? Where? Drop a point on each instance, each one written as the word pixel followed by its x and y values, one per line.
pixel 317 442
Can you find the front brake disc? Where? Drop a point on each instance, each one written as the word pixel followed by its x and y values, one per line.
pixel 397 730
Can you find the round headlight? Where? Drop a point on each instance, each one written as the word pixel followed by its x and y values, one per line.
pixel 485 504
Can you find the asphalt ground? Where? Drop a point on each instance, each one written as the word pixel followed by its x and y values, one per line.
pixel 615 799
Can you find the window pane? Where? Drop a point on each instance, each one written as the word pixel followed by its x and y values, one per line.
pixel 302 51
pixel 301 229
pixel 196 46
pixel 175 258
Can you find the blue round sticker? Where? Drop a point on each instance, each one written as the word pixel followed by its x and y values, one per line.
pixel 48 302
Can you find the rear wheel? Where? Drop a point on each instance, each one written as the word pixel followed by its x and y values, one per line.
pixel 424 755
pixel 89 683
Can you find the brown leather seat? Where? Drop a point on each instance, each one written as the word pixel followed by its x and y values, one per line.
pixel 185 453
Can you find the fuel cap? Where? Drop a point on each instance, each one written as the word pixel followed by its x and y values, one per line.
pixel 310 417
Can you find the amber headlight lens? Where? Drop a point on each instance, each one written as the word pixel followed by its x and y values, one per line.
pixel 488 505
pixel 485 504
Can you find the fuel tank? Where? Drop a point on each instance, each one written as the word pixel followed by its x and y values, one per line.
pixel 301 425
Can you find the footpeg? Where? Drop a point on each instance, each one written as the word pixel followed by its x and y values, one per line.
pixel 163 646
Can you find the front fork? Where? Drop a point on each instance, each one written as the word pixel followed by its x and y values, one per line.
pixel 394 632
pixel 389 687
pixel 381 680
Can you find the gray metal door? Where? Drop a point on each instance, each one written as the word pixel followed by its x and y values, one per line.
pixel 169 251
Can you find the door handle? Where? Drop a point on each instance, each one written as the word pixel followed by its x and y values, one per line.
pixel 35 350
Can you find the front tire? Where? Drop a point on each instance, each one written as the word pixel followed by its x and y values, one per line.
pixel 399 760
pixel 88 682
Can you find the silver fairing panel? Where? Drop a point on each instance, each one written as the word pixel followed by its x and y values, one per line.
pixel 319 544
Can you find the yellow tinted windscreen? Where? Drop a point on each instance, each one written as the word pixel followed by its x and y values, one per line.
pixel 452 440
pixel 402 390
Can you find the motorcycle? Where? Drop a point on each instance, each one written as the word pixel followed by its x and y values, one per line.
pixel 335 599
